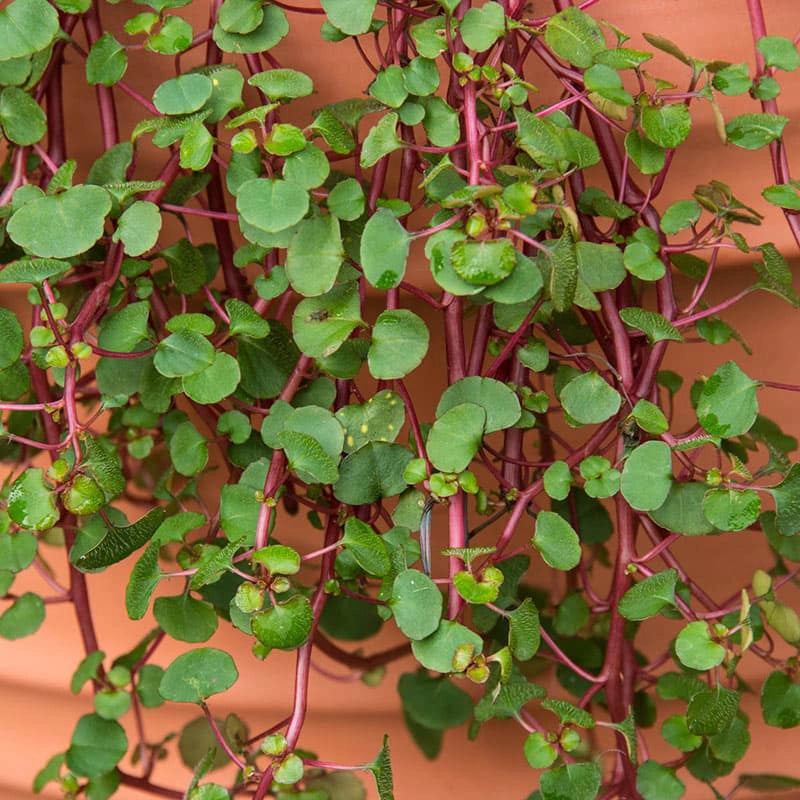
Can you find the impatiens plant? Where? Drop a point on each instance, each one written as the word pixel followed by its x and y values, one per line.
pixel 245 311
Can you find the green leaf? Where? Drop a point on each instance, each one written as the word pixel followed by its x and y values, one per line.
pixel 775 274
pixel 188 449
pixel 780 700
pixel 184 618
pixel 214 383
pixel 473 591
pixel 645 599
pixel 119 542
pixel 647 476
pixel 381 769
pixel 557 480
pixel 240 16
pixel 569 713
pixel 187 266
pixel 379 419
pixel 23 617
pixel 606 82
pixel 17 551
pixel 314 255
pixel 97 745
pixel 26 27
pixel 22 118
pixel 539 753
pixel 197 147
pixel 138 227
pixel 195 676
pixel 107 61
pixel 271 205
pixel 482 27
pixel 483 263
pixel 768 782
pixel 372 472
pixel 416 604
pixel 321 324
pixel 11 339
pixel 712 710
pixel 381 140
pixel 272 28
pixel 574 36
pixel 437 651
pixel 641 261
pixel 564 272
pixel 389 87
pixel 286 625
pixel 366 547
pixel 144 578
pixel 498 401
pixel 733 79
pixel 779 52
pixel 556 541
pixel 184 94
pixel 307 458
pixel 278 559
pixel 695 648
pixel 648 157
pixel 183 353
pixel 352 17
pixel 682 511
pixel 784 195
pixel 61 226
pixel 282 83
pixel 384 249
pixel 31 502
pixel 649 417
pixel 571 781
pixel 600 265
pixel 731 744
pixel 667 126
pixel 399 344
pixel 728 405
pixel 433 702
pixel 752 131
pixel 456 437
pixel 731 509
pixel 787 502
pixel 346 200
pixel 524 630
pixel 676 732
pixel 679 216
pixel 652 324
pixel 657 782
pixel 588 399
pixel 33 270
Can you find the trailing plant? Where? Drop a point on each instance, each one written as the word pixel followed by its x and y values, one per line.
pixel 269 333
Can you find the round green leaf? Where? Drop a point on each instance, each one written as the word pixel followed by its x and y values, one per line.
pixel 366 547
pixel 436 652
pixel 188 449
pixel 675 730
pixel 416 604
pixel 657 782
pixel 352 17
pixel 346 199
pixel 314 255
pixel 482 27
pixel 11 341
pixel 588 399
pixel 679 216
pixel 667 126
pixel 321 324
pixel 26 27
pixel 647 476
pixel 499 402
pixel 556 541
pixel 31 502
pixel 195 676
pixel 214 383
pixel 111 704
pixel 571 781
pixel 372 472
pixel 184 94
pixel 281 83
pixel 21 116
pixel 695 648
pixel 731 509
pixel 780 701
pixel 728 405
pixel 307 457
pixel 539 753
pixel 107 61
pixel 138 227
pixel 682 511
pixel 97 745
pixel 432 702
pixel 61 226
pixel 272 28
pixel 23 617
pixel 574 36
pixel 642 262
pixel 557 480
pixel 83 496
pixel 456 437
pixel 399 343
pixel 647 598
pixel 379 419
pixel 285 626
pixel 271 205
pixel 600 265
pixel 183 353
pixel 752 131
pixel 483 263
pixel 184 618
pixel 711 711
pixel 17 551
pixel 384 249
